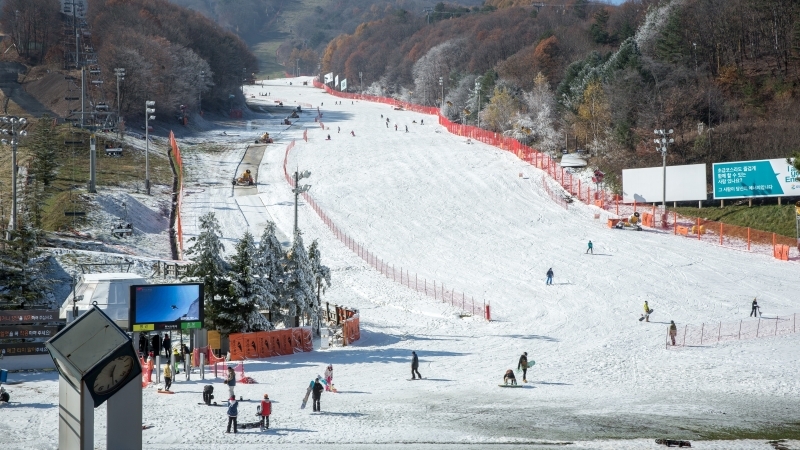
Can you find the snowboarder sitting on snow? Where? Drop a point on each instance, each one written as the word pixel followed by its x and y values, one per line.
pixel 754 310
pixel 246 177
pixel 647 312
pixel 509 377
pixel 523 364
pixel 673 330
pixel 265 410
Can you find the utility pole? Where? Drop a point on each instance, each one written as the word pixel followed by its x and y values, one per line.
pixel 478 112
pixel 299 190
pixel 120 73
pixel 148 109
pixel 200 92
pixel 15 123
pixel 441 102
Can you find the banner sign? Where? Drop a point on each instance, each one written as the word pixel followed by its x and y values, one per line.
pixel 23 348
pixel 336 80
pixel 328 77
pixel 343 85
pixel 28 316
pixel 761 178
pixel 27 331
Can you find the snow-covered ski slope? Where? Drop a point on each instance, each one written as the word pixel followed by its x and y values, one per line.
pixel 461 214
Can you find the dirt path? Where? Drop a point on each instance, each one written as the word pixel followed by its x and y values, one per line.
pixel 12 89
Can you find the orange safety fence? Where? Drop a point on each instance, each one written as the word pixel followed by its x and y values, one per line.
pixel 147 371
pixel 433 289
pixel 714 332
pixel 351 330
pixel 588 193
pixel 265 344
pixel 210 357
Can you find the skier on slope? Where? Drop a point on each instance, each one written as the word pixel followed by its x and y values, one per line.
pixel 754 310
pixel 647 312
pixel 673 331
pixel 415 366
pixel 523 365
pixel 590 249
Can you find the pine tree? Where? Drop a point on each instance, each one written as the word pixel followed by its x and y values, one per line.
pixel 23 271
pixel 321 273
pixel 299 282
pixel 246 292
pixel 209 266
pixel 44 145
pixel 270 263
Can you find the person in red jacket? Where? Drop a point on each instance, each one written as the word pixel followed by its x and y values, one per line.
pixel 266 410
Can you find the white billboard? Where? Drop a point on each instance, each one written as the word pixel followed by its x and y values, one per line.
pixel 336 79
pixel 328 77
pixel 684 183
pixel 343 84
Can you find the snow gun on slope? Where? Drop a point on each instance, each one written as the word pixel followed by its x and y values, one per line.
pixel 631 223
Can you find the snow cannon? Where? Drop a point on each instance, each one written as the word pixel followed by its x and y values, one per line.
pixel 634 219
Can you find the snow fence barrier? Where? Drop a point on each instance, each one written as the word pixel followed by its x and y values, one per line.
pixel 740 238
pixel 177 230
pixel 431 288
pixel 265 344
pixel 715 332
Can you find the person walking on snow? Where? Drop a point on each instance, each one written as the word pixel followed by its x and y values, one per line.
pixel 233 411
pixel 167 376
pixel 406 128
pixel 316 394
pixel 550 276
pixel 673 330
pixel 415 366
pixel 590 249
pixel 523 364
pixel 754 310
pixel 395 127
pixel 647 312
pixel 230 380
pixel 353 133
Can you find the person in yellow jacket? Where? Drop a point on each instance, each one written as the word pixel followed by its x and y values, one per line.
pixel 177 357
pixel 647 312
pixel 167 376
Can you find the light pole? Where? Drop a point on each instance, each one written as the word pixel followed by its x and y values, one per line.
pixel 661 146
pixel 478 112
pixel 15 122
pixel 120 73
pixel 148 109
pixel 244 77
pixel 200 92
pixel 361 81
pixel 441 103
pixel 299 190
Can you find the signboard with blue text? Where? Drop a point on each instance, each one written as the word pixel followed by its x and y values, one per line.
pixel 764 178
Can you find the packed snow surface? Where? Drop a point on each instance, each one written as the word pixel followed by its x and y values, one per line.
pixel 475 218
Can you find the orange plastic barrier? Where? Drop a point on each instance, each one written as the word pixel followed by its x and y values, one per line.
pixel 682 230
pixel 250 345
pixel 612 223
pixel 308 340
pixel 287 346
pixel 781 252
pixel 297 340
pixel 237 347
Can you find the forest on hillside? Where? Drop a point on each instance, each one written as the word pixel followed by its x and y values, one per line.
pixel 723 74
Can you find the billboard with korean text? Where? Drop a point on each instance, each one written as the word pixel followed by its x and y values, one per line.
pixel 761 178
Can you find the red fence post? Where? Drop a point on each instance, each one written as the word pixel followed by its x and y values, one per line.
pixel 720 233
pixel 748 239
pixel 488 311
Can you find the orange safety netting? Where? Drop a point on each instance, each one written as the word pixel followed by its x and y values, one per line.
pixel 210 357
pixel 264 344
pixel 351 331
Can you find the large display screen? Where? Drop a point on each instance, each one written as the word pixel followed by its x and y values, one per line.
pixel 166 306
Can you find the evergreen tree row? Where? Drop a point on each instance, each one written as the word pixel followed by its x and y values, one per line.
pixel 260 286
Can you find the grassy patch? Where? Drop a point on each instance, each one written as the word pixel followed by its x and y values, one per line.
pixel 770 218
pixel 268 65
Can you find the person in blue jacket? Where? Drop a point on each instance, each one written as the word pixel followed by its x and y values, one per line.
pixel 233 411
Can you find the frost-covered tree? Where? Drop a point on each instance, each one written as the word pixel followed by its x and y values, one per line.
pixel 299 282
pixel 24 281
pixel 440 61
pixel 322 274
pixel 459 99
pixel 534 126
pixel 209 266
pixel 270 263
pixel 248 296
pixel 499 114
